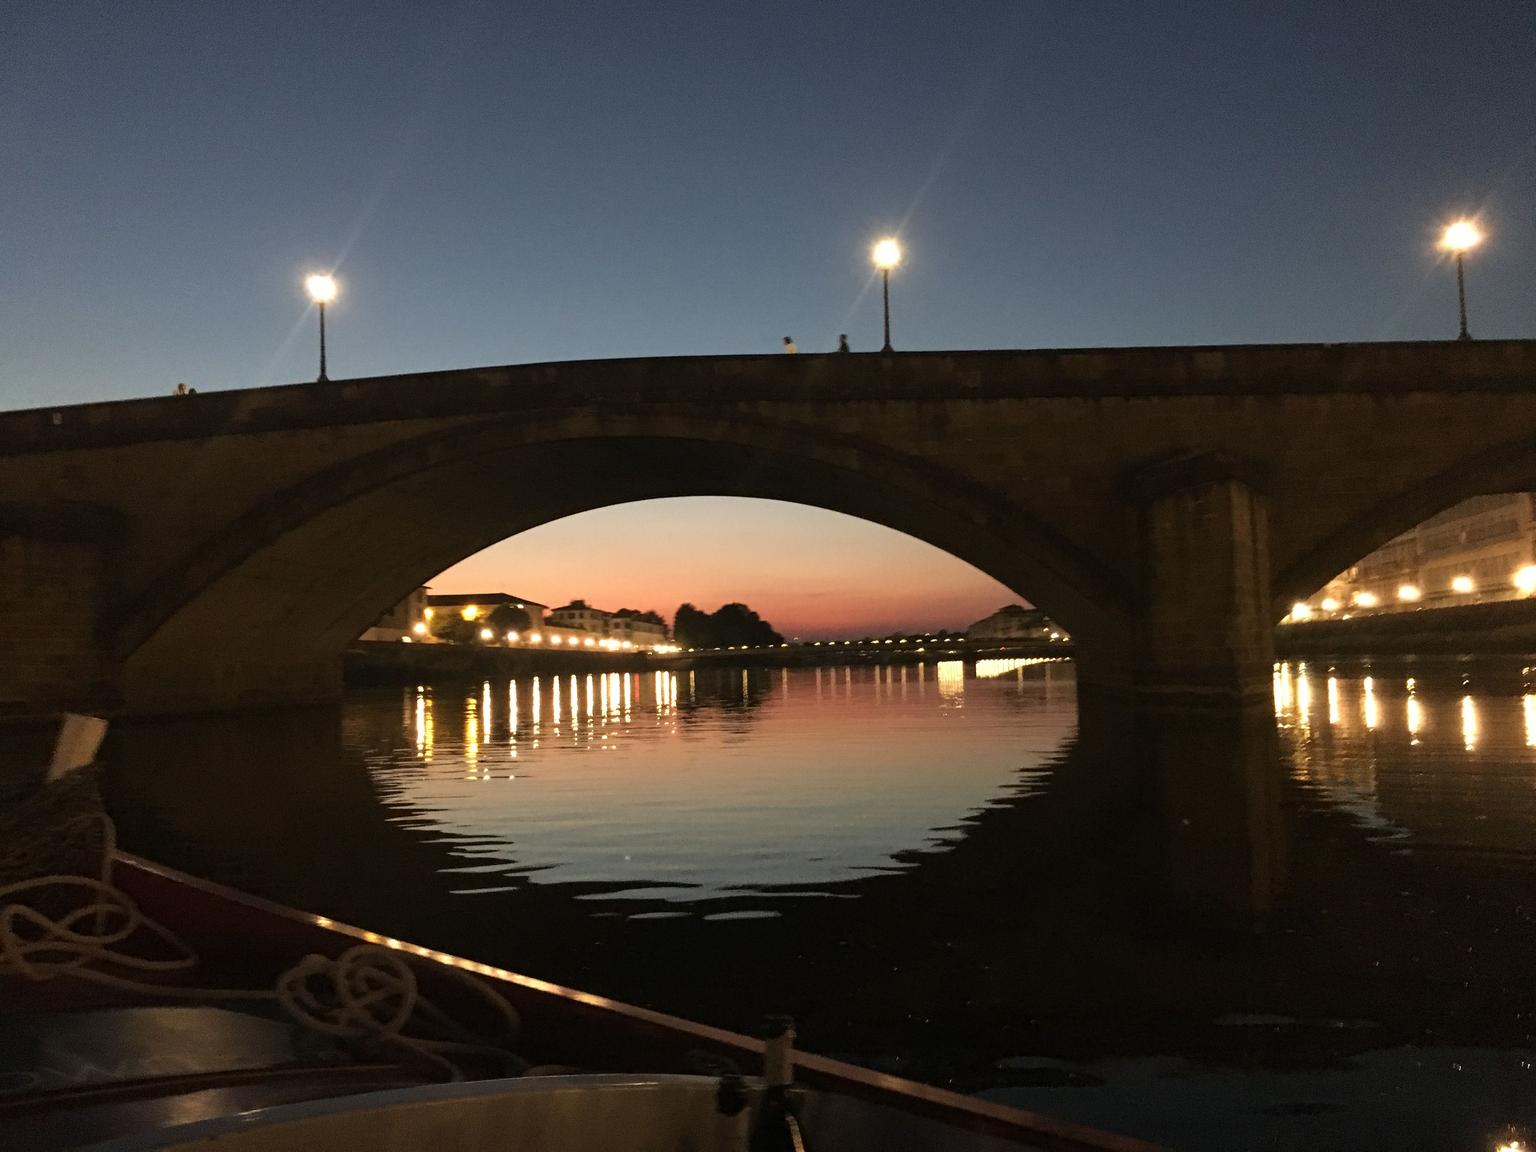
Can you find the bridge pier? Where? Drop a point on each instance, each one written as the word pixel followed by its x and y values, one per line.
pixel 55 576
pixel 189 686
pixel 1203 629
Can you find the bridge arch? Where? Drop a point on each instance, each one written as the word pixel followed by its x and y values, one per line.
pixel 1508 467
pixel 271 601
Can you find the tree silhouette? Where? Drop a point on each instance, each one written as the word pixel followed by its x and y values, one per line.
pixel 731 625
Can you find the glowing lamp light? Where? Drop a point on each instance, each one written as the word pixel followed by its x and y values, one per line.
pixel 886 253
pixel 419 628
pixel 1366 599
pixel 555 640
pixel 1461 236
pixel 534 638
pixel 321 288
pixel 469 611
pixel 1330 604
pixel 1525 579
pixel 427 613
pixel 511 637
pixel 487 634
pixel 590 643
pixel 1301 611
pixel 1408 593
pixel 1462 584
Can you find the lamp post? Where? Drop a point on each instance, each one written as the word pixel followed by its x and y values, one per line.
pixel 886 255
pixel 1458 238
pixel 322 290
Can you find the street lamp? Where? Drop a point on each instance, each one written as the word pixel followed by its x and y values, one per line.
pixel 1458 238
pixel 322 290
pixel 886 255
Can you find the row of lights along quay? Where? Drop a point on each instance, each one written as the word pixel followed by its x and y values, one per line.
pixel 1458 239
pixel 1461 590
pixel 831 649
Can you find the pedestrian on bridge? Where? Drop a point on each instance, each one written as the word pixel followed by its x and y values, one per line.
pixel 789 346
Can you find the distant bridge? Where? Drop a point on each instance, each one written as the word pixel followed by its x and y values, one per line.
pixel 1164 504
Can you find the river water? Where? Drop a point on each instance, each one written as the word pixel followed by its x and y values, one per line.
pixel 1313 927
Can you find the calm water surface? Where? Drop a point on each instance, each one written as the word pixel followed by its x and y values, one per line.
pixel 773 785
pixel 1311 928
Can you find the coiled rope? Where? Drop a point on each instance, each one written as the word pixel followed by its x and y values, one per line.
pixel 368 994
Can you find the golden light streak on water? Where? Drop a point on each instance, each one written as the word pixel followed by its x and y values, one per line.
pixel 951 677
pixel 1369 705
pixel 424 733
pixel 992 668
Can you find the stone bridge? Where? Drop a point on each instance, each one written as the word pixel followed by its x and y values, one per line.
pixel 1164 504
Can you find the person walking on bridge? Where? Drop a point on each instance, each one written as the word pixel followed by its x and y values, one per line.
pixel 842 343
pixel 789 346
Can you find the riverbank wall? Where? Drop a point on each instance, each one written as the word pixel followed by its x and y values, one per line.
pixel 372 664
pixel 1503 628
pixel 812 655
pixel 375 664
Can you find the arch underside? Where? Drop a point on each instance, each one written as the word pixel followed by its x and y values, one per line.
pixel 1508 468
pixel 289 588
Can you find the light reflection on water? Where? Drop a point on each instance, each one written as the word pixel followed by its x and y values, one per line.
pixel 765 780
pixel 1440 759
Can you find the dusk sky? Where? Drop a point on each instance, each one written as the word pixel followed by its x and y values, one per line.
pixel 504 183
pixel 812 573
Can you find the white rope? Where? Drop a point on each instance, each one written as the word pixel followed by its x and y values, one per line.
pixel 368 993
pixel 40 947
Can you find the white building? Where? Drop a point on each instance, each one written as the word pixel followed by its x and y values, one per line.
pixel 1480 550
pixel 623 629
pixel 1013 622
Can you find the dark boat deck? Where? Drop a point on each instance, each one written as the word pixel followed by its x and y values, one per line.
pixel 244 1054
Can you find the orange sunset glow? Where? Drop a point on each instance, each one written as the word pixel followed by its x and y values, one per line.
pixel 811 573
